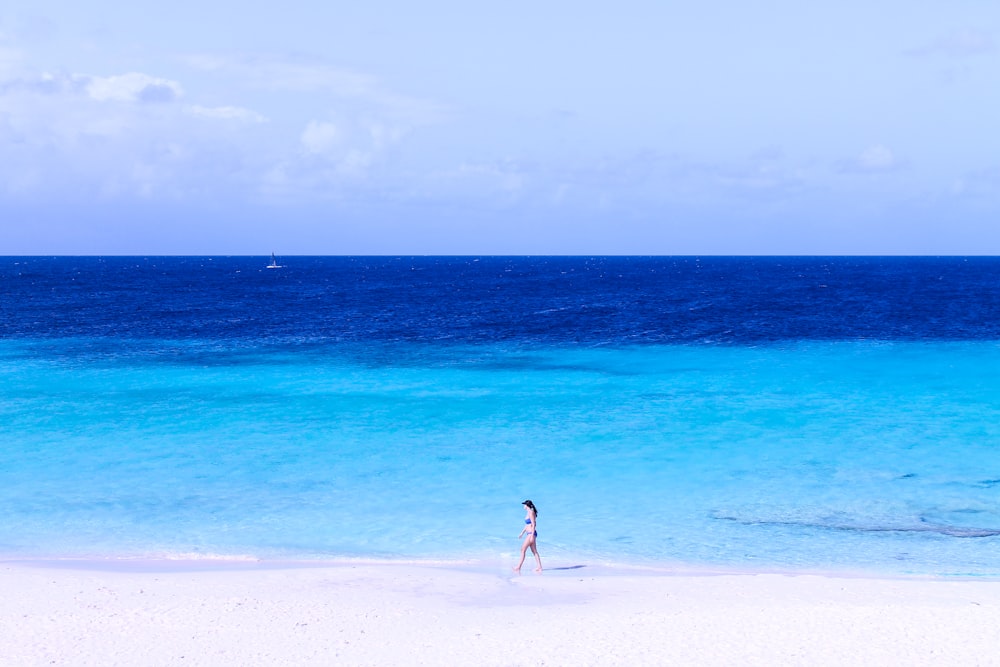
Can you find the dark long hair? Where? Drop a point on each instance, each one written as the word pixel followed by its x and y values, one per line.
pixel 531 506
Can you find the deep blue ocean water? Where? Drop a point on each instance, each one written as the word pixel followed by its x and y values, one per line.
pixel 790 413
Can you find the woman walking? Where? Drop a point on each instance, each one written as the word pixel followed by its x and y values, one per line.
pixel 530 541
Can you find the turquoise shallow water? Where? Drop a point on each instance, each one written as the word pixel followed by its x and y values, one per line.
pixel 858 455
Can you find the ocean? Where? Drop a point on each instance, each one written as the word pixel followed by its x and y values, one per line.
pixel 764 413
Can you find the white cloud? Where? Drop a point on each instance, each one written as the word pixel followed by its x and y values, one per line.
pixel 135 134
pixel 278 73
pixel 120 136
pixel 361 125
pixel 507 178
pixel 356 162
pixel 978 184
pixel 133 87
pixel 382 135
pixel 320 138
pixel 503 182
pixel 319 80
pixel 874 159
pixel 347 149
pixel 226 113
pixel 761 178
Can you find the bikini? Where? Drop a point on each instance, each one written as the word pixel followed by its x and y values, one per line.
pixel 535 533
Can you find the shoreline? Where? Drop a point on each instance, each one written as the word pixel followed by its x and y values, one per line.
pixel 499 566
pixel 367 613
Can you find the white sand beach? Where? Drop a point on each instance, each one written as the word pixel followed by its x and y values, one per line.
pixel 387 614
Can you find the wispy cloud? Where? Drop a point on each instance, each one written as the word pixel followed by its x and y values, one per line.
pixel 344 149
pixel 350 122
pixel 320 138
pixel 981 183
pixel 308 76
pixel 958 44
pixel 874 159
pixel 133 87
pixel 286 73
pixel 130 87
pixel 226 113
pixel 118 135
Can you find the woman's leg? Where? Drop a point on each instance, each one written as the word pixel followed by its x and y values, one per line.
pixel 524 548
pixel 538 559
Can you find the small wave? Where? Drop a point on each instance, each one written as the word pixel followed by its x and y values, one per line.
pixel 242 558
pixel 941 529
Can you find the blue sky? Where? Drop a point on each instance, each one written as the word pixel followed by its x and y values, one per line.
pixel 221 127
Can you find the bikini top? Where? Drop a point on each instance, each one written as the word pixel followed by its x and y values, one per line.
pixel 528 521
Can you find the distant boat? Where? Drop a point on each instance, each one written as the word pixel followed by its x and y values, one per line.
pixel 274 263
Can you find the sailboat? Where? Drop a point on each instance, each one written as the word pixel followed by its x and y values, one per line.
pixel 274 263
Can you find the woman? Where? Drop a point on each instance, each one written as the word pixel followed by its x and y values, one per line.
pixel 531 528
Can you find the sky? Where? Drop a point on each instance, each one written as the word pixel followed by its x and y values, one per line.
pixel 323 127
